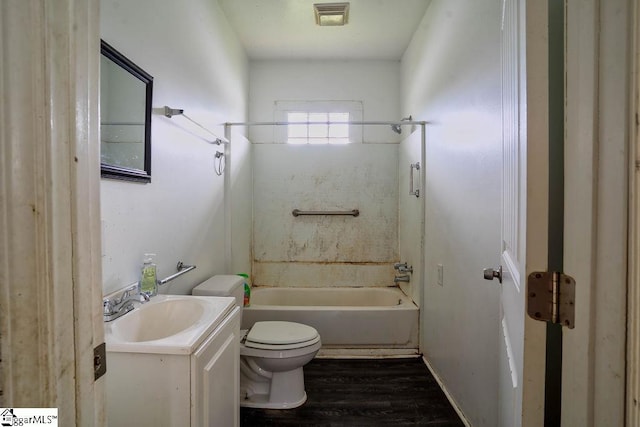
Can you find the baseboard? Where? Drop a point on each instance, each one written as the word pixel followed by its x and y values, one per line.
pixel 446 393
pixel 366 353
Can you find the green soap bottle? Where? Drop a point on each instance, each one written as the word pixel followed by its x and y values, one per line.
pixel 247 289
pixel 148 276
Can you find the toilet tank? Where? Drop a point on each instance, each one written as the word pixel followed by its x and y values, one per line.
pixel 222 286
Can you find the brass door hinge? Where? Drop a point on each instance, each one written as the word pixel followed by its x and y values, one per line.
pixel 551 297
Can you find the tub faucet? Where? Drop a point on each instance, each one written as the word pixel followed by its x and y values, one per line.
pixel 399 265
pixel 402 267
pixel 405 269
pixel 402 278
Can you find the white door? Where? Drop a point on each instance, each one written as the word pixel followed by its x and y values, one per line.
pixel 524 208
pixel 598 61
pixel 51 293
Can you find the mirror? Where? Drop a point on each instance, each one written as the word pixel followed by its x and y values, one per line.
pixel 125 117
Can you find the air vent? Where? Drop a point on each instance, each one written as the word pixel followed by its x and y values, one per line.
pixel 331 14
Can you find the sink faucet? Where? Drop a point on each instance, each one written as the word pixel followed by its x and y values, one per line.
pixel 402 278
pixel 116 307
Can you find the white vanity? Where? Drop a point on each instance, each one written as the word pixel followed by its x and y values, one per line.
pixel 174 361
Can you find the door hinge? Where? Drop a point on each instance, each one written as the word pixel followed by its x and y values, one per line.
pixel 551 297
pixel 99 361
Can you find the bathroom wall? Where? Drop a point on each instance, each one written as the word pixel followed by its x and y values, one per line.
pixel 451 77
pixel 323 250
pixel 199 65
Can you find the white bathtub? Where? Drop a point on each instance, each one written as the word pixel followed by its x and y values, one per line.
pixel 356 318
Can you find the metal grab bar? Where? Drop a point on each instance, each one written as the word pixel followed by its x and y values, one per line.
pixel 415 166
pixel 181 270
pixel 298 212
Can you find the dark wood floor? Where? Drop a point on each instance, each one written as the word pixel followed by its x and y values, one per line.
pixel 363 392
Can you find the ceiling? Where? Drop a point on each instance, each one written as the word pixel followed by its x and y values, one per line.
pixel 286 29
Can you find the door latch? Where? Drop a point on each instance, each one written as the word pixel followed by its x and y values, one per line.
pixel 490 273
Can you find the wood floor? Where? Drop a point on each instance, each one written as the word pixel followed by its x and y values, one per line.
pixel 369 392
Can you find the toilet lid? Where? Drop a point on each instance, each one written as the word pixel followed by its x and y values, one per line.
pixel 280 333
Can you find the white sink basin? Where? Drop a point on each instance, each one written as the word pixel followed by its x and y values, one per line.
pixel 170 324
pixel 160 320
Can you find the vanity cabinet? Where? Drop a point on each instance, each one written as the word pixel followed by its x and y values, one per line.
pixel 198 388
pixel 216 368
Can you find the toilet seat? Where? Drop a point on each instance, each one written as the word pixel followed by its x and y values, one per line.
pixel 281 347
pixel 277 335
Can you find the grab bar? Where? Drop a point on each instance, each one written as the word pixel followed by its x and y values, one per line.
pixel 298 212
pixel 412 166
pixel 181 270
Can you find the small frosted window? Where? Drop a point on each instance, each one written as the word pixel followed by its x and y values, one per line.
pixel 297 134
pixel 339 130
pixel 317 128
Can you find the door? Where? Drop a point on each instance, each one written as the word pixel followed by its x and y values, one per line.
pixel 215 370
pixel 51 289
pixel 524 208
pixel 598 57
pixel 512 234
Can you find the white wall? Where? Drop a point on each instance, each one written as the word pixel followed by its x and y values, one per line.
pixel 375 83
pixel 451 77
pixel 316 250
pixel 199 65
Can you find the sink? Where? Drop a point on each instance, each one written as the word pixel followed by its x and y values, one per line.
pixel 174 361
pixel 163 319
pixel 170 324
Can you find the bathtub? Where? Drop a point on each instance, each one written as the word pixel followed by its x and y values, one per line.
pixel 346 318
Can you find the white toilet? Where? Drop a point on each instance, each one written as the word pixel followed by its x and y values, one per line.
pixel 272 353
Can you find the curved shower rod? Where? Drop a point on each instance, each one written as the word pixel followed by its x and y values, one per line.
pixel 170 112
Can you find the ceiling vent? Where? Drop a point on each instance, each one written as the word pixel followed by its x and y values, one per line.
pixel 331 14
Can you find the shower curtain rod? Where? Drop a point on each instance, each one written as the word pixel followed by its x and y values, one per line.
pixel 413 122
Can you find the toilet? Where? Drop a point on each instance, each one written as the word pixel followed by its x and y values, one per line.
pixel 272 353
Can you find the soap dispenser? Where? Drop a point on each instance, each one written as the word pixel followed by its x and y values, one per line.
pixel 148 276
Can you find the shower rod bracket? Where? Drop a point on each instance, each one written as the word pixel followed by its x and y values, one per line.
pixel 170 112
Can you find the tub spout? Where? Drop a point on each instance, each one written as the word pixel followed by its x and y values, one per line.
pixel 402 278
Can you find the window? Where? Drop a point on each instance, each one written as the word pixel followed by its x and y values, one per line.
pixel 330 122
pixel 317 128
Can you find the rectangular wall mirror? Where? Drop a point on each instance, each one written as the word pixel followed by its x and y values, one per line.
pixel 125 117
